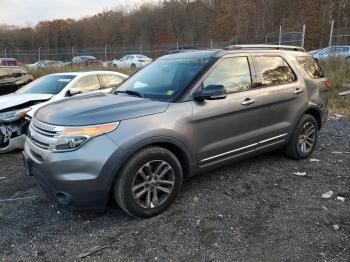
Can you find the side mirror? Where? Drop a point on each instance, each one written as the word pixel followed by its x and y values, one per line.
pixel 73 91
pixel 211 92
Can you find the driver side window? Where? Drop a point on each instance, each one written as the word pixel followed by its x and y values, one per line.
pixel 233 73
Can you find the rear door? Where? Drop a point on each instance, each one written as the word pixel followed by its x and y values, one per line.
pixel 225 129
pixel 281 98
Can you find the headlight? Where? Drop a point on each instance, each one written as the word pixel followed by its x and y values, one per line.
pixel 12 116
pixel 72 138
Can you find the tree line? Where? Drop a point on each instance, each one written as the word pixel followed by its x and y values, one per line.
pixel 185 21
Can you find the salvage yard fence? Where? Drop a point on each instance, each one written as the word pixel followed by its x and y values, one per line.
pixel 109 52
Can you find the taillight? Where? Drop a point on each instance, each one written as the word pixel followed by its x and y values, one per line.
pixel 328 84
pixel 32 77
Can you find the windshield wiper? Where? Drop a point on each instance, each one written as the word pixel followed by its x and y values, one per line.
pixel 130 92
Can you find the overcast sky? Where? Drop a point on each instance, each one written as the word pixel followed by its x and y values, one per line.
pixel 29 12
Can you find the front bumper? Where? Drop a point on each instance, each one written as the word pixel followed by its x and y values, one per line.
pixel 14 144
pixel 81 179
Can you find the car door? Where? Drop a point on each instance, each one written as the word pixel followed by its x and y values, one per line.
pixel 224 129
pixel 281 98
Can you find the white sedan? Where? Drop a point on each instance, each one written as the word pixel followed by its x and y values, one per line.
pixel 132 61
pixel 15 107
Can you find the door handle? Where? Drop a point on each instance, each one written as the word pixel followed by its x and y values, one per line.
pixel 298 91
pixel 248 101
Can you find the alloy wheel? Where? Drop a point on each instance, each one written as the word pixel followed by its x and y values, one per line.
pixel 153 184
pixel 307 137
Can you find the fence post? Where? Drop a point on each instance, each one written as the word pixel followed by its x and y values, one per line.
pixel 5 52
pixel 303 36
pixel 331 35
pixel 72 51
pixel 105 52
pixel 39 55
pixel 280 36
pixel 177 45
pixel 211 40
pixel 267 37
pixel 141 47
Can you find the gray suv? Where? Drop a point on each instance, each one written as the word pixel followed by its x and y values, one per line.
pixel 182 115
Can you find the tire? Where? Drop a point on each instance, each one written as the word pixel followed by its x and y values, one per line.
pixel 300 147
pixel 141 202
pixel 133 66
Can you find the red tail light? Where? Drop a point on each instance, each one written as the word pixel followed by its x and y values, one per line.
pixel 32 77
pixel 328 84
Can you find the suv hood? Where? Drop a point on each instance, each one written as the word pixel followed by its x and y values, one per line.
pixel 13 100
pixel 98 108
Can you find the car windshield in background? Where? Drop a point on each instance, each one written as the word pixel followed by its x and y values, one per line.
pixel 51 84
pixel 164 78
pixel 88 57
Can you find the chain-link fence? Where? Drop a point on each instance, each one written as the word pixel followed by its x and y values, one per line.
pixel 110 52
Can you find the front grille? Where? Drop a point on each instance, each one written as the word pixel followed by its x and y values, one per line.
pixel 42 135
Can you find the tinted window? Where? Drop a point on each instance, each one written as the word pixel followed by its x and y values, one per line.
pixel 233 73
pixel 88 84
pixel 339 49
pixel 165 78
pixel 50 84
pixel 273 70
pixel 110 80
pixel 311 67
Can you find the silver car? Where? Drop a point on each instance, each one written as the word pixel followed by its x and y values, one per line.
pixel 182 115
pixel 334 51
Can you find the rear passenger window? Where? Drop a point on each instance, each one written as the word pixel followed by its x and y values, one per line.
pixel 273 70
pixel 110 80
pixel 233 73
pixel 310 66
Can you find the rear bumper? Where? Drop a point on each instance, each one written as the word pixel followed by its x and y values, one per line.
pixel 78 179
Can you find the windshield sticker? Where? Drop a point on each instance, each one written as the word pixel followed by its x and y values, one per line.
pixel 195 60
pixel 170 93
pixel 66 80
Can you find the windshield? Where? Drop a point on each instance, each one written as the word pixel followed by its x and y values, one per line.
pixel 50 84
pixel 164 78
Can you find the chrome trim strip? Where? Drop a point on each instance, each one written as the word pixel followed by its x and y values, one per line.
pixel 272 138
pixel 245 147
pixel 229 152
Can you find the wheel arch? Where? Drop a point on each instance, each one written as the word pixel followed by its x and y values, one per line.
pixel 173 145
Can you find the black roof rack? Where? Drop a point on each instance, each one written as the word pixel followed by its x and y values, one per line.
pixel 277 47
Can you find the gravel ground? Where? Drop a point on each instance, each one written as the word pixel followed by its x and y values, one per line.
pixel 255 210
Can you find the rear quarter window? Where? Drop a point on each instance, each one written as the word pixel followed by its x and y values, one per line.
pixel 273 70
pixel 310 66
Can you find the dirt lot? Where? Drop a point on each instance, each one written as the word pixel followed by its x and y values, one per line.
pixel 254 210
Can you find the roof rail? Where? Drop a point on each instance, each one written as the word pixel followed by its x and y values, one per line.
pixel 277 47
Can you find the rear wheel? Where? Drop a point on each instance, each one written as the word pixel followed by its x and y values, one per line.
pixel 149 182
pixel 303 140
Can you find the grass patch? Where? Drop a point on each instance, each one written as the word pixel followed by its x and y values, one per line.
pixel 41 72
pixel 338 73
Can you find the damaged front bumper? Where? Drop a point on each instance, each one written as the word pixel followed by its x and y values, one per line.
pixel 13 136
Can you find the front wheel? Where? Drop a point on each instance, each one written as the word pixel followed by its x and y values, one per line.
pixel 149 182
pixel 303 140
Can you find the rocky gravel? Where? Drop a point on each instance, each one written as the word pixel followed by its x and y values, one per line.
pixel 268 208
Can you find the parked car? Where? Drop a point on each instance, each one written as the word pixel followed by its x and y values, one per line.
pixel 86 60
pixel 36 65
pixel 12 78
pixel 51 64
pixel 24 103
pixel 5 61
pixel 132 61
pixel 107 64
pixel 182 115
pixel 334 51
